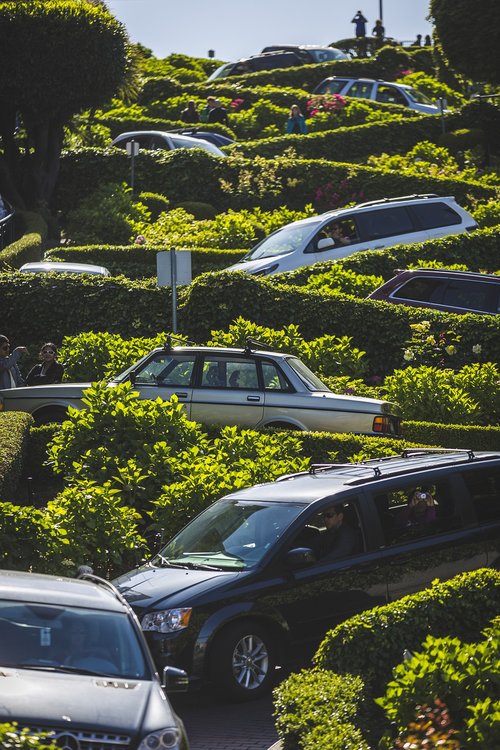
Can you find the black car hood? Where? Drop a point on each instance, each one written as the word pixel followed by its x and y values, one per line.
pixel 57 700
pixel 147 587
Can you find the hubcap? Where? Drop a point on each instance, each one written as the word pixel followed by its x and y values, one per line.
pixel 250 662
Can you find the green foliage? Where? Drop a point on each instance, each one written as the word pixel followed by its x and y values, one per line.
pixel 463 675
pixel 426 346
pixel 29 247
pixel 96 528
pixel 431 728
pixel 426 393
pixel 109 214
pixel 483 438
pixel 12 737
pixel 154 203
pixel 460 27
pixel 343 280
pixel 433 88
pixel 14 435
pixel 488 214
pixel 318 709
pixel 29 540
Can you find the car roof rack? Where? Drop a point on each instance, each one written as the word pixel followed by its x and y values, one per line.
pixel 413 197
pixel 317 468
pixel 411 452
pixel 86 573
pixel 252 344
pixel 170 341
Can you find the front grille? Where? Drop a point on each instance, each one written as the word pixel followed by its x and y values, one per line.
pixel 76 739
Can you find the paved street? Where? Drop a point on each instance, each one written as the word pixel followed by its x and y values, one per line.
pixel 212 724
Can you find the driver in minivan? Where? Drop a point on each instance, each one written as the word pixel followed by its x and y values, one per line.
pixel 338 539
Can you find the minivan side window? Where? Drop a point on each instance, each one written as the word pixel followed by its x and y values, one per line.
pixel 361 89
pixel 385 222
pixel 390 95
pixel 421 290
pixel 484 487
pixel 473 295
pixel 413 511
pixel 332 87
pixel 432 215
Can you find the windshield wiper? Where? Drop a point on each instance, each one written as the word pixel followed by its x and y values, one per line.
pixel 166 563
pixel 199 566
pixel 58 668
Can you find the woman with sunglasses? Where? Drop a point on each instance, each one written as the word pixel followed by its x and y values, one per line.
pixel 49 370
pixel 10 375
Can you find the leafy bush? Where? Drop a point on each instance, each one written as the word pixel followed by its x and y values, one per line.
pixel 463 675
pixel 319 709
pixel 14 436
pixel 488 214
pixel 109 214
pixel 29 247
pixel 470 396
pixel 433 88
pixel 431 728
pixel 12 737
pixel 343 280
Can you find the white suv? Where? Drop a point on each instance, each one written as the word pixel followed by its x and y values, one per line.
pixel 367 226
pixel 387 92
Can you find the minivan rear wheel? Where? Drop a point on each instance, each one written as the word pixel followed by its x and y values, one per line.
pixel 243 661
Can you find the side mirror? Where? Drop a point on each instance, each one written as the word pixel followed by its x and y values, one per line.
pixel 325 243
pixel 174 680
pixel 132 376
pixel 300 557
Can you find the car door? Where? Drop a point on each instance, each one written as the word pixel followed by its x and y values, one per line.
pixel 440 545
pixel 228 391
pixel 360 89
pixel 384 92
pixel 328 245
pixel 318 596
pixel 166 374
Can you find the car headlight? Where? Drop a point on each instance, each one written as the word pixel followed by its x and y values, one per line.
pixel 266 271
pixel 167 620
pixel 164 738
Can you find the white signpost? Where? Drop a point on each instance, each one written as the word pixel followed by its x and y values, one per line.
pixel 132 150
pixel 174 268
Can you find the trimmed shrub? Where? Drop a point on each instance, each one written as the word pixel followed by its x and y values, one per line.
pixel 30 246
pixel 476 437
pixel 14 439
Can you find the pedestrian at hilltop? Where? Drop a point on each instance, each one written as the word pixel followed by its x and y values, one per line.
pixel 49 370
pixel 218 113
pixel 428 41
pixel 378 30
pixel 190 113
pixel 10 375
pixel 296 123
pixel 418 41
pixel 360 24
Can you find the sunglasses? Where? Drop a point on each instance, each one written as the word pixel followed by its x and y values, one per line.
pixel 48 351
pixel 330 514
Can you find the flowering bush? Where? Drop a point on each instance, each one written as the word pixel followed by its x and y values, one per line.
pixel 326 103
pixel 426 347
pixel 329 196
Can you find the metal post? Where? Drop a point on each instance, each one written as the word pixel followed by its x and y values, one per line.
pixel 132 165
pixel 380 10
pixel 173 279
pixel 442 106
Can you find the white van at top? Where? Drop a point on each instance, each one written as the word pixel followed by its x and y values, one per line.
pixel 367 226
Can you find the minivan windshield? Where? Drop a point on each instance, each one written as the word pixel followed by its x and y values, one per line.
pixel 285 240
pixel 230 535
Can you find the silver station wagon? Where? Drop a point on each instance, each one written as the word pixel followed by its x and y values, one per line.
pixel 246 387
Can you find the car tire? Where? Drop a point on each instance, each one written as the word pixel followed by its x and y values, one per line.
pixel 243 661
pixel 50 415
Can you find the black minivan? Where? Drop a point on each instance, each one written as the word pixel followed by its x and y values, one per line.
pixel 232 595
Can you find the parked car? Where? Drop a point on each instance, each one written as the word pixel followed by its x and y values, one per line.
pixel 310 53
pixel 450 291
pixel 246 387
pixel 62 267
pixel 241 588
pixel 387 92
pixel 266 61
pixel 163 140
pixel 74 663
pixel 367 226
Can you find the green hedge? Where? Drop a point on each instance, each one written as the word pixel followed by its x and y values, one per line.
pixel 30 246
pixel 119 125
pixel 14 436
pixel 214 301
pixel 194 175
pixel 93 303
pixel 139 261
pixel 477 437
pixel 372 643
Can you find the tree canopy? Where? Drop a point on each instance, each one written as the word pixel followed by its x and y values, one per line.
pixel 57 57
pixel 469 33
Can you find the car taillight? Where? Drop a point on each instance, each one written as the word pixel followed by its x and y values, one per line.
pixel 386 425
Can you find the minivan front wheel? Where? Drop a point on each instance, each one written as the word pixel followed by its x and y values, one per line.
pixel 243 661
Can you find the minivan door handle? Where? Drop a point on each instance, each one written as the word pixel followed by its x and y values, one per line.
pixel 379 247
pixel 181 394
pixel 253 398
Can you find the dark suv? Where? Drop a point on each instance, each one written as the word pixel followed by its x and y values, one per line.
pixel 245 583
pixel 450 291
pixel 74 663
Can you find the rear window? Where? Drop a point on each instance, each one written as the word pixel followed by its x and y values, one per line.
pixel 331 87
pixel 484 487
pixel 431 215
pixel 421 290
